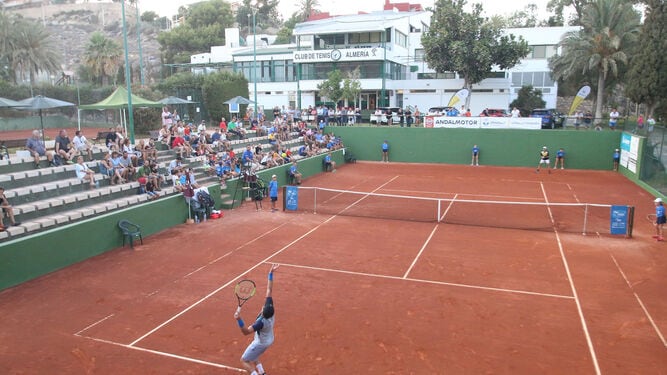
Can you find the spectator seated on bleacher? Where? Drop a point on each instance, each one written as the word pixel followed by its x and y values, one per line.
pixel 181 146
pixel 147 150
pixel 107 169
pixel 37 149
pixel 64 148
pixel 116 161
pixel 175 165
pixel 177 180
pixel 164 136
pixel 145 174
pixel 7 210
pixel 189 177
pixel 151 190
pixel 131 152
pixel 126 162
pixel 82 145
pixel 83 173
pixel 111 140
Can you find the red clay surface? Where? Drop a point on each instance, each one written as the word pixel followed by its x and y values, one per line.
pixel 358 295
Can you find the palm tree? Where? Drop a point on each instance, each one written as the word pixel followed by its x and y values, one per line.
pixel 33 51
pixel 26 48
pixel 609 30
pixel 308 7
pixel 103 57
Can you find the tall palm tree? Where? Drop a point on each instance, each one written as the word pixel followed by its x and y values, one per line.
pixel 34 51
pixel 103 57
pixel 610 29
pixel 26 48
pixel 308 7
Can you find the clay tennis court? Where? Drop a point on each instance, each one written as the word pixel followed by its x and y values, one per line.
pixel 363 295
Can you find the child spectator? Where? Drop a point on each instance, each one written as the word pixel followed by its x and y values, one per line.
pixel 84 173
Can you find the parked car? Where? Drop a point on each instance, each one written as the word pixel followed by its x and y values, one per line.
pixel 442 111
pixel 495 112
pixel 551 118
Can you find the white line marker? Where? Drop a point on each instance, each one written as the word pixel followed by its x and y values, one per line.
pixel 429 281
pixel 94 324
pixel 421 251
pixel 248 270
pixel 165 354
pixel 650 319
pixel 589 341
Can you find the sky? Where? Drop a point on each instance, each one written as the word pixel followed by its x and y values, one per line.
pixel 340 7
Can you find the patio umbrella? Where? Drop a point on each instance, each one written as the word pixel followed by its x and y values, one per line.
pixel 175 100
pixel 239 100
pixel 8 103
pixel 38 103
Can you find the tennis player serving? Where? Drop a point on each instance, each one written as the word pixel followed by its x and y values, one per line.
pixel 263 329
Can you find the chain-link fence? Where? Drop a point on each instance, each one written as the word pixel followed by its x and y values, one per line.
pixel 654 158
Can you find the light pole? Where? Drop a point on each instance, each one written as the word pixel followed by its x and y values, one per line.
pixel 253 7
pixel 141 57
pixel 128 79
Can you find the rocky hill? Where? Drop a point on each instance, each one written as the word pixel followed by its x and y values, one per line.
pixel 72 24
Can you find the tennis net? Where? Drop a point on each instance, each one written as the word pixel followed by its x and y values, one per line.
pixel 563 217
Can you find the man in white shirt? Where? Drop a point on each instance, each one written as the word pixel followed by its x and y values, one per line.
pixel 613 118
pixel 201 128
pixel 82 145
pixel 516 112
pixel 166 117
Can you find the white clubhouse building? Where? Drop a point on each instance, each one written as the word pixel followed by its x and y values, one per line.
pixel 386 49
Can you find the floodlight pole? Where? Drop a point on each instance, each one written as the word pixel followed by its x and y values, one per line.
pixel 141 55
pixel 128 78
pixel 254 58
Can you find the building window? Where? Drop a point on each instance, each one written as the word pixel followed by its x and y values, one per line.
pixel 447 75
pixel 539 52
pixel 420 54
pixel 401 39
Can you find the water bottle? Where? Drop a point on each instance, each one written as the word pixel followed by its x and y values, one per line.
pixel 196 219
pixel 205 217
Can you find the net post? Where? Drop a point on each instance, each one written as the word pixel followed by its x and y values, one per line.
pixel 631 220
pixel 315 200
pixel 439 205
pixel 583 233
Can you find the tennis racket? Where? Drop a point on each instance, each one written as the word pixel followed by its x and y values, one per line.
pixel 651 218
pixel 244 290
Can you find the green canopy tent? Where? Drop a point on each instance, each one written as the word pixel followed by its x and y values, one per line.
pixel 118 100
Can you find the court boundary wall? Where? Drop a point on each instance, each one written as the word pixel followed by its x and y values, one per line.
pixel 33 256
pixel 498 147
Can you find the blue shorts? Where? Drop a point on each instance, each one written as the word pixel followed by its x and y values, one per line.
pixel 273 199
pixel 661 220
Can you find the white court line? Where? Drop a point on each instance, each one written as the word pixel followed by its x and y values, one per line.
pixel 248 270
pixel 591 349
pixel 94 324
pixel 238 248
pixel 442 218
pixel 429 237
pixel 514 291
pixel 421 251
pixel 462 195
pixel 165 354
pixel 573 193
pixel 650 319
